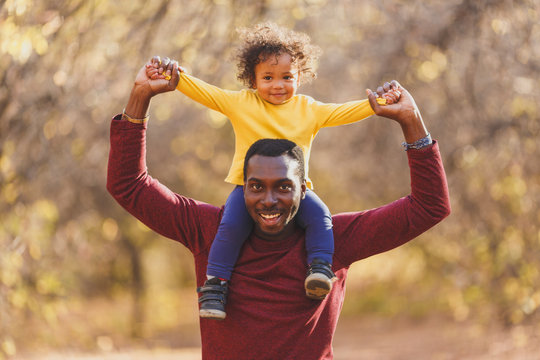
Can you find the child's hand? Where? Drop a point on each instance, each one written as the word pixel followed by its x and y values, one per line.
pixel 388 97
pixel 157 69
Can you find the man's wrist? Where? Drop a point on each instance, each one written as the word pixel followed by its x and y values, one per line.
pixel 418 144
pixel 134 120
pixel 138 103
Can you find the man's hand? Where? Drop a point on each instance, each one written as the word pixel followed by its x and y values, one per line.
pixel 145 88
pixel 157 69
pixel 153 86
pixel 403 109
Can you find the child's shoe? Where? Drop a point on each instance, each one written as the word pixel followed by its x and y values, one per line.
pixel 319 279
pixel 213 299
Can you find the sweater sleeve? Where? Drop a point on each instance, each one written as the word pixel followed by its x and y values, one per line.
pixel 206 94
pixel 363 234
pixel 346 113
pixel 172 215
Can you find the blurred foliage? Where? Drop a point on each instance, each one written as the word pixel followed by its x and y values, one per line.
pixel 66 68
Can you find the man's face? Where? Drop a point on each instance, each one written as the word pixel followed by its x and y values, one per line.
pixel 272 193
pixel 276 79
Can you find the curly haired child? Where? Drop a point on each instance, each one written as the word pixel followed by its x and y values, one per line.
pixel 272 61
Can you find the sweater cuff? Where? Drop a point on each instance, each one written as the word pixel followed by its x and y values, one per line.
pixel 121 123
pixel 425 152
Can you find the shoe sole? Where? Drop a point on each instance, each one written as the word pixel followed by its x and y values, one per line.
pixel 212 314
pixel 317 286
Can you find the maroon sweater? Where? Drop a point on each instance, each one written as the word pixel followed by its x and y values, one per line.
pixel 268 314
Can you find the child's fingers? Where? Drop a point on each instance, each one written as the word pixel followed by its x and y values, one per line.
pixel 392 96
pixel 153 73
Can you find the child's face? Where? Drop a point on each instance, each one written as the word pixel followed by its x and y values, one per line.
pixel 276 79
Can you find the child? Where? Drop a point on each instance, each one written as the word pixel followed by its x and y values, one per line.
pixel 272 61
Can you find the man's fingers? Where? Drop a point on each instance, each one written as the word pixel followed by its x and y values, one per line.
pixel 156 61
pixel 175 75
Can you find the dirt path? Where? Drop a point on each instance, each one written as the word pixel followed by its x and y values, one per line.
pixel 386 339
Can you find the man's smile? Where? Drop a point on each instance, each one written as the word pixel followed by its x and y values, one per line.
pixel 270 218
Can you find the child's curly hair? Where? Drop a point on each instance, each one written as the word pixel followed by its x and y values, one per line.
pixel 268 39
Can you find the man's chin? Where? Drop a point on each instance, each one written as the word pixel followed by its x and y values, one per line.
pixel 269 233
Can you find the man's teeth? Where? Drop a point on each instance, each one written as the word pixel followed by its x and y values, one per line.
pixel 273 216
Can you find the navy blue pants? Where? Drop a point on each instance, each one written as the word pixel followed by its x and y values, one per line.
pixel 236 225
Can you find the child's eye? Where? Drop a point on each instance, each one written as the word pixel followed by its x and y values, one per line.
pixel 288 77
pixel 267 78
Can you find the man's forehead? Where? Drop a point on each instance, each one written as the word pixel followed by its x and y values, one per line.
pixel 260 166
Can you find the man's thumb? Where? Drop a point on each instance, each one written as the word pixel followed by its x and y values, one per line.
pixel 372 99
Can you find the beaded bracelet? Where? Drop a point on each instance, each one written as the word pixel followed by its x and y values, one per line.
pixel 132 120
pixel 418 144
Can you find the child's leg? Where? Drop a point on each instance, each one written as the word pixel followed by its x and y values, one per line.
pixel 233 230
pixel 315 217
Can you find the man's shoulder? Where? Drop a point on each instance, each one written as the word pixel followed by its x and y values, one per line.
pixel 199 223
pixel 205 211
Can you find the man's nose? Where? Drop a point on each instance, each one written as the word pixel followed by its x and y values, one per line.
pixel 269 199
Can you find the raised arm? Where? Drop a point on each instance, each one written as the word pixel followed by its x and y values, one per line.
pixel 196 89
pixel 377 230
pixel 171 215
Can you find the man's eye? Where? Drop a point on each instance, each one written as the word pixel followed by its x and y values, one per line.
pixel 255 187
pixel 285 188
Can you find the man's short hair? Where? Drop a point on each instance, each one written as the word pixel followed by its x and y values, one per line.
pixel 275 148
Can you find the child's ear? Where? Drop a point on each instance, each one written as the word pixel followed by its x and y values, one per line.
pixel 253 83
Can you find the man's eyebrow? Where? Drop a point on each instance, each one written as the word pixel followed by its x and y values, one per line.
pixel 260 180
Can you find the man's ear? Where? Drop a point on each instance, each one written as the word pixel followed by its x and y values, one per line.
pixel 303 189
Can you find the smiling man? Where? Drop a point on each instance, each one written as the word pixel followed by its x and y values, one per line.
pixel 269 316
pixel 274 184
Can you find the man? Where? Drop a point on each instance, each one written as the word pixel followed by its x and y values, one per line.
pixel 268 314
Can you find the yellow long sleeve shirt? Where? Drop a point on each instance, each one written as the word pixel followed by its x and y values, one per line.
pixel 299 119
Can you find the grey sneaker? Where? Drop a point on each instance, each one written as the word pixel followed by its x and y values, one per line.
pixel 319 280
pixel 213 299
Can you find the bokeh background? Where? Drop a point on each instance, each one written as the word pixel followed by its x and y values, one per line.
pixel 77 272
